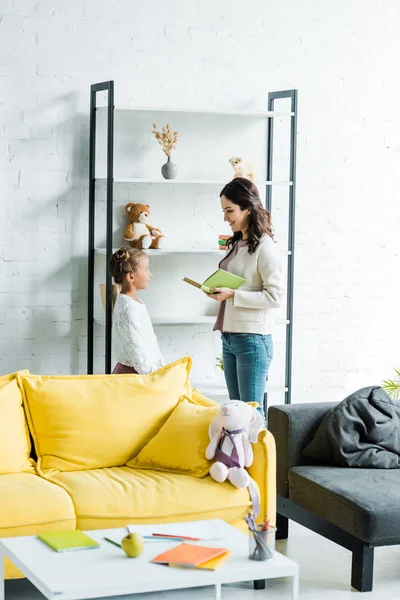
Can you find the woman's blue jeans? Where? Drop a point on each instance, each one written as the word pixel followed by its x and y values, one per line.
pixel 247 358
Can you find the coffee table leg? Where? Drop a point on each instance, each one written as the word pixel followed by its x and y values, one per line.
pixel 1 576
pixel 295 588
pixel 217 591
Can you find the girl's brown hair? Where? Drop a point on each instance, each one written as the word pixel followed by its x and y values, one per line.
pixel 245 194
pixel 123 261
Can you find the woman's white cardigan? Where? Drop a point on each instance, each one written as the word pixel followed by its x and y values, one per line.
pixel 250 310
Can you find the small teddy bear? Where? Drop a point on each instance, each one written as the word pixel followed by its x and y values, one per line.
pixel 139 233
pixel 242 169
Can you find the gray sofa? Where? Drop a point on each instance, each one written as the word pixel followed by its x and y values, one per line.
pixel 358 508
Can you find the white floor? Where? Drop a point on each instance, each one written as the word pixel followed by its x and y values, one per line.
pixel 324 574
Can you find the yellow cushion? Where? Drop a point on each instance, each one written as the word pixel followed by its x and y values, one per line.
pixel 118 496
pixel 199 398
pixel 180 445
pixel 15 445
pixel 30 505
pixel 94 421
pixel 10 376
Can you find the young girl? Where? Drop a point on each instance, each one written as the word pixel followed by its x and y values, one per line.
pixel 134 342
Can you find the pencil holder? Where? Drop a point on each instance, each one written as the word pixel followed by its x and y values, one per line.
pixel 261 543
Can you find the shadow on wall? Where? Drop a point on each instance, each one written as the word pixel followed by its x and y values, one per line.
pixel 56 274
pixel 56 330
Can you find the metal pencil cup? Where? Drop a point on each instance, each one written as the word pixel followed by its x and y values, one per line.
pixel 262 543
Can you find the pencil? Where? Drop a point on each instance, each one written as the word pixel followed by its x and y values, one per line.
pixel 112 542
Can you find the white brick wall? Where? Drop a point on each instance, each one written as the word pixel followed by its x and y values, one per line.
pixel 342 56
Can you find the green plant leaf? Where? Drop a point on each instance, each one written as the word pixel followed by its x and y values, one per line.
pixel 392 388
pixel 219 362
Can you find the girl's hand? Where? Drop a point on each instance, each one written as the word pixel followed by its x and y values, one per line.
pixel 221 294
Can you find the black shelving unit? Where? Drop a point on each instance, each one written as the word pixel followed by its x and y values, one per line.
pixel 107 87
pixel 272 98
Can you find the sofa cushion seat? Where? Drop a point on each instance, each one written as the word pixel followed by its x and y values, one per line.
pixel 116 496
pixel 31 505
pixel 363 502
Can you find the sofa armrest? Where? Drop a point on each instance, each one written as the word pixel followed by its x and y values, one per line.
pixel 293 426
pixel 263 471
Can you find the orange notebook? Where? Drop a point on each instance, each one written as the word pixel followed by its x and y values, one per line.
pixel 209 565
pixel 188 555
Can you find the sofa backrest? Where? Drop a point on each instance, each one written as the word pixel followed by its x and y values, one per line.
pixel 95 421
pixel 15 445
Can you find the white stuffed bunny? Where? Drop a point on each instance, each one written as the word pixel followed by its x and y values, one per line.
pixel 232 431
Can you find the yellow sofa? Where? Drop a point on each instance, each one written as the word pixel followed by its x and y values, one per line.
pixel 113 450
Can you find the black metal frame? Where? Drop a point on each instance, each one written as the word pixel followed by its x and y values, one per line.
pixel 362 566
pixel 106 86
pixel 272 97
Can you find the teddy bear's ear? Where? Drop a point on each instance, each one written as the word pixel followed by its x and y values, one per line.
pixel 128 207
pixel 147 205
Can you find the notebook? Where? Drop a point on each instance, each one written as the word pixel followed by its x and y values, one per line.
pixel 200 531
pixel 218 279
pixel 189 555
pixel 68 541
pixel 209 565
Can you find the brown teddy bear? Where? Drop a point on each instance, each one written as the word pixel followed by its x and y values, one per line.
pixel 139 233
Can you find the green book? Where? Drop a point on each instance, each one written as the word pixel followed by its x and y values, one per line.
pixel 68 541
pixel 219 279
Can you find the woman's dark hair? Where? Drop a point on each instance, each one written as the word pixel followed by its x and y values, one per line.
pixel 245 194
pixel 123 261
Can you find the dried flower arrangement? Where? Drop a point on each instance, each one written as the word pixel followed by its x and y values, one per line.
pixel 167 138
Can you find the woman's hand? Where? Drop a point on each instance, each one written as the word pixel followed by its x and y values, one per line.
pixel 221 294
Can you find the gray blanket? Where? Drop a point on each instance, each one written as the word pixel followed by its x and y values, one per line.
pixel 361 431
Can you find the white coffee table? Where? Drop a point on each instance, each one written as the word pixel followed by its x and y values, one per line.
pixel 108 572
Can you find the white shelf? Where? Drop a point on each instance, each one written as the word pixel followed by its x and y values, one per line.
pixel 158 180
pixel 251 114
pixel 168 251
pixel 195 320
pixel 208 388
pixel 160 320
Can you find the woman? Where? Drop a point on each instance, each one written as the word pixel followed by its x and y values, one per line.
pixel 245 315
